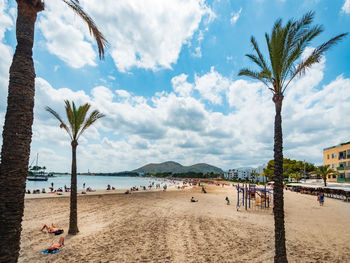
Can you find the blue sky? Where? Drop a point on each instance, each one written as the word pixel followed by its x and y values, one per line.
pixel 169 84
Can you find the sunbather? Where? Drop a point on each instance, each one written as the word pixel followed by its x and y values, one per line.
pixel 52 229
pixel 55 246
pixel 193 200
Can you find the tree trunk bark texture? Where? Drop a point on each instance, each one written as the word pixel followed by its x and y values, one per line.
pixel 17 132
pixel 73 217
pixel 278 210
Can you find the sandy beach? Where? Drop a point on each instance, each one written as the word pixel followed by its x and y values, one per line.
pixel 166 227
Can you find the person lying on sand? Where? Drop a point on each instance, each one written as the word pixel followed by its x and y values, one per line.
pixel 55 246
pixel 193 200
pixel 52 229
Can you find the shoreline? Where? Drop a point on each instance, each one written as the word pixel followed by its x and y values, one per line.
pixel 49 195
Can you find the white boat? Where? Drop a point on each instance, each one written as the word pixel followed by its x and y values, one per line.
pixel 37 173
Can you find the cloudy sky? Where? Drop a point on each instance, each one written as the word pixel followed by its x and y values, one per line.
pixel 169 84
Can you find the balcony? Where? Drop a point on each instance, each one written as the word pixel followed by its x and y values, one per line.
pixel 341 180
pixel 342 168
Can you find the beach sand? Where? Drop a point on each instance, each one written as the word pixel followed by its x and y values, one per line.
pixel 167 227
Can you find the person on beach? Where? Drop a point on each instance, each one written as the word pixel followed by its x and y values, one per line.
pixel 321 198
pixel 56 246
pixel 227 200
pixel 52 184
pixel 52 229
pixel 89 189
pixel 203 190
pixel 108 187
pixel 193 200
pixel 83 185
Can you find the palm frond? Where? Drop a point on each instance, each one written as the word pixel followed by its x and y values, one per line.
pixel 315 56
pixel 80 117
pixel 296 51
pixel 255 75
pixel 286 44
pixel 100 39
pixel 62 124
pixel 70 116
pixel 94 116
pixel 261 60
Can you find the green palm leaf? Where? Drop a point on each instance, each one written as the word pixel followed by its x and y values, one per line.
pixel 76 117
pixel 286 44
pixel 100 39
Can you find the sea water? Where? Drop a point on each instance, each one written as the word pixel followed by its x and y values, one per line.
pixel 95 182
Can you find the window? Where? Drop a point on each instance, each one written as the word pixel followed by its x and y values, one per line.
pixel 342 164
pixel 334 176
pixel 327 156
pixel 348 154
pixel 334 155
pixel 342 155
pixel 334 165
pixel 329 176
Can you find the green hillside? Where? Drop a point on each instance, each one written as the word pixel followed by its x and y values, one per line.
pixel 174 167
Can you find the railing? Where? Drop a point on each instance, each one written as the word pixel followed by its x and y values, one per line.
pixel 342 168
pixel 343 179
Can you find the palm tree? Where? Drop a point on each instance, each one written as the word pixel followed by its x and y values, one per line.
pixel 324 171
pixel 285 46
pixel 77 125
pixel 17 131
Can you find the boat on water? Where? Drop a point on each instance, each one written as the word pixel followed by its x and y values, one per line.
pixel 37 173
pixel 37 178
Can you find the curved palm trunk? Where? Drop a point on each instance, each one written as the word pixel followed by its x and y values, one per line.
pixel 278 209
pixel 17 133
pixel 73 217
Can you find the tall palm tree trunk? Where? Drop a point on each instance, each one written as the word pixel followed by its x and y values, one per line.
pixel 278 209
pixel 73 218
pixel 325 180
pixel 17 133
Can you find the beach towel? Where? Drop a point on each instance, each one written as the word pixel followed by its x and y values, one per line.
pixel 52 252
pixel 58 232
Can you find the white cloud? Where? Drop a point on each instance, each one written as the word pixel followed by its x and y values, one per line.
pixel 346 7
pixel 211 86
pixel 66 35
pixel 235 16
pixel 178 126
pixel 181 86
pixel 123 93
pixel 139 31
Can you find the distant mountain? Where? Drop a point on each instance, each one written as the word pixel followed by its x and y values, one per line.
pixel 174 167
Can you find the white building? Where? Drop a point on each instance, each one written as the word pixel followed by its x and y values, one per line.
pixel 248 174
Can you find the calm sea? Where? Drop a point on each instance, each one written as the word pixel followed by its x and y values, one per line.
pixel 95 182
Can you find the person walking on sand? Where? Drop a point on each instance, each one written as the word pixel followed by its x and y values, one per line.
pixel 227 200
pixel 321 198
